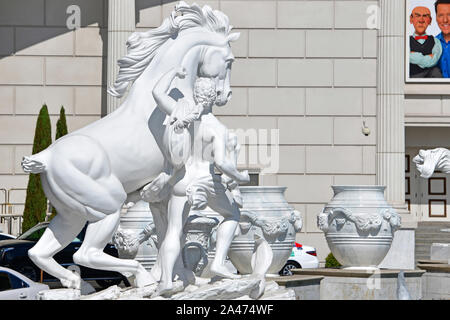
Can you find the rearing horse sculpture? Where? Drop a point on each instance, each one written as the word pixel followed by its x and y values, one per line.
pixel 88 173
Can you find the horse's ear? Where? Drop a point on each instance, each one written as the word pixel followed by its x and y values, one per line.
pixel 233 36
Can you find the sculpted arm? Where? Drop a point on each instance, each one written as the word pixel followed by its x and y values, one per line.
pixel 232 152
pixel 223 162
pixel 160 91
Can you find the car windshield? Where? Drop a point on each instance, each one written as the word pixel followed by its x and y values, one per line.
pixel 36 232
pixel 33 234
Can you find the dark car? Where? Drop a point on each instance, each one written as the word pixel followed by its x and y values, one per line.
pixel 14 255
pixel 5 236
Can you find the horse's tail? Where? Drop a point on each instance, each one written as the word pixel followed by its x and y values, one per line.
pixel 33 164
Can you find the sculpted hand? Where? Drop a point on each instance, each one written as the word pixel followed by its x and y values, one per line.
pixel 179 125
pixel 180 72
pixel 138 240
pixel 128 205
pixel 245 178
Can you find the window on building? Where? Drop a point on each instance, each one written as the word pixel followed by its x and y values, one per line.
pixel 254 180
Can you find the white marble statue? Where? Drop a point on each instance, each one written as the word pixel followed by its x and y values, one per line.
pixel 196 143
pixel 428 161
pixel 88 174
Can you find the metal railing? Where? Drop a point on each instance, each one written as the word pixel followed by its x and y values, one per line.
pixel 10 219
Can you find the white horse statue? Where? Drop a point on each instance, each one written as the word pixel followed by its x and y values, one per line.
pixel 88 174
pixel 428 161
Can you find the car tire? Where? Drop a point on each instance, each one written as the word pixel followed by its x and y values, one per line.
pixel 104 284
pixel 286 271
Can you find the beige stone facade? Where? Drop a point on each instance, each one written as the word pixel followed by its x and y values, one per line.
pixel 305 68
pixel 42 61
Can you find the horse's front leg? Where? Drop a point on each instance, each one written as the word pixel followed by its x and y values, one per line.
pixel 63 228
pixel 91 254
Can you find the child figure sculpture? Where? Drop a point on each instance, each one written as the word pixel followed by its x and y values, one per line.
pixel 196 142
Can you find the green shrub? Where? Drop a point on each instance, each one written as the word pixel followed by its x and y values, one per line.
pixel 331 262
pixel 61 125
pixel 61 130
pixel 36 201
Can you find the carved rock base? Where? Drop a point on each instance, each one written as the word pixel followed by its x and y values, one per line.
pixel 245 288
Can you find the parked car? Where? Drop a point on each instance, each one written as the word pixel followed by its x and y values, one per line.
pixel 14 255
pixel 301 257
pixel 15 286
pixel 5 236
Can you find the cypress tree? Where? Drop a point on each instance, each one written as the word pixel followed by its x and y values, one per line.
pixel 61 125
pixel 61 130
pixel 36 201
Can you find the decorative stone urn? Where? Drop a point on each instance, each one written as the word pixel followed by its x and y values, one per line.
pixel 359 225
pixel 265 214
pixel 136 219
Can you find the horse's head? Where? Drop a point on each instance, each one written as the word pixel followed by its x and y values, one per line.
pixel 427 161
pixel 216 63
pixel 195 38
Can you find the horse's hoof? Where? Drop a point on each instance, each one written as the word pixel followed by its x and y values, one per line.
pixel 163 291
pixel 143 278
pixel 73 282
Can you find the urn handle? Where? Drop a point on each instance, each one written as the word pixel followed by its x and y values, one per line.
pixel 322 221
pixel 325 218
pixel 296 220
pixel 393 217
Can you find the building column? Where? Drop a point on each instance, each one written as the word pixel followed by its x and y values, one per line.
pixel 391 128
pixel 390 103
pixel 121 23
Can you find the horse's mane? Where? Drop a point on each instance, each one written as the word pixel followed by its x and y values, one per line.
pixel 142 46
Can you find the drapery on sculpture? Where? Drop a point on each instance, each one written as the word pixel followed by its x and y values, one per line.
pixel 90 173
pixel 428 161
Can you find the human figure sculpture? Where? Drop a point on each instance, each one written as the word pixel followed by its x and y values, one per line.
pixel 88 173
pixel 197 143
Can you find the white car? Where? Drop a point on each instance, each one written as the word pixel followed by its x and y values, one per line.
pixel 301 257
pixel 15 286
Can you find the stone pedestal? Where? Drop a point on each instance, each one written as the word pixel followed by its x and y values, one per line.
pixel 401 253
pixel 341 284
pixel 436 281
pixel 305 287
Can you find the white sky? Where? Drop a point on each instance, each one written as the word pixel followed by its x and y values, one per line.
pixel 433 29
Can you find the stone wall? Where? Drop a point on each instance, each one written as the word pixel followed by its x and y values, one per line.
pixel 308 69
pixel 305 68
pixel 42 61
